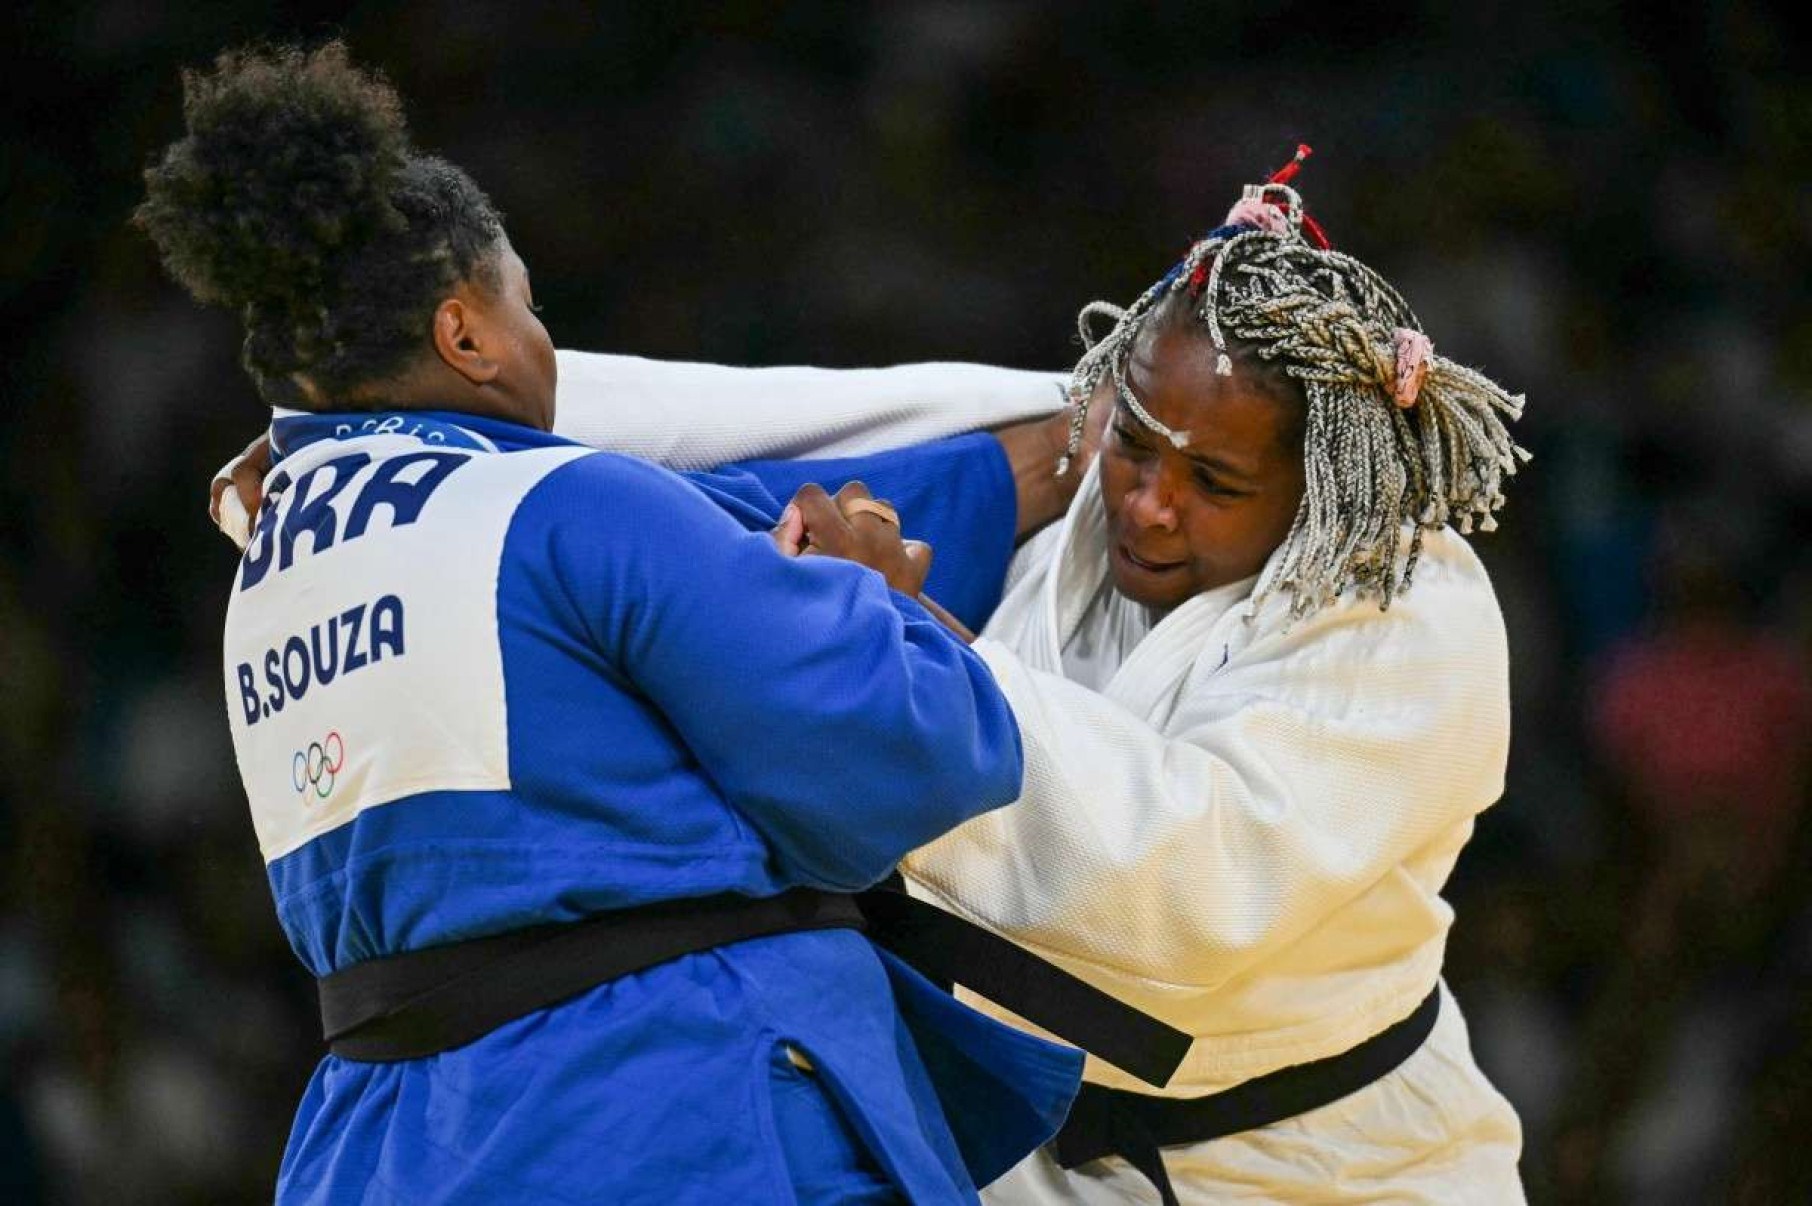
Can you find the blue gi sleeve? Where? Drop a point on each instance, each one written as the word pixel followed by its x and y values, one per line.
pixel 842 722
pixel 955 494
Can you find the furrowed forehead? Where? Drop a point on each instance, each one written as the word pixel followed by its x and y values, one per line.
pixel 1228 423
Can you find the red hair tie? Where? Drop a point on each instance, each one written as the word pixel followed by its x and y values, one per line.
pixel 1287 172
pixel 1311 229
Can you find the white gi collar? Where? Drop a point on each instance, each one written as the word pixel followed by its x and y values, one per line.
pixel 1155 667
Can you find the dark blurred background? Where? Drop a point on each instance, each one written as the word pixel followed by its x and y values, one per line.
pixel 1604 204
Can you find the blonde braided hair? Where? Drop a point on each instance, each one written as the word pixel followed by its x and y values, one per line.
pixel 1375 459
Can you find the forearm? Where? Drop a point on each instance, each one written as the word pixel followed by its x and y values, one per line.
pixel 1034 448
pixel 772 670
pixel 949 621
pixel 696 416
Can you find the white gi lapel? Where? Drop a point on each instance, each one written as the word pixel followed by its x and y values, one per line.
pixel 1041 610
pixel 1081 561
pixel 1149 681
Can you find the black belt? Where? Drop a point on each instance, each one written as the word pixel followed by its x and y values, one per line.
pixel 424 1002
pixel 428 1001
pixel 1112 1122
pixel 951 950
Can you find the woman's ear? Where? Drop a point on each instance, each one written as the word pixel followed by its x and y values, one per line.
pixel 461 338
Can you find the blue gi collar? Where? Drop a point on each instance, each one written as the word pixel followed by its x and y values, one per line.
pixel 292 430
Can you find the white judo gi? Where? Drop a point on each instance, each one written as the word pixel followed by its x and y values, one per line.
pixel 1238 828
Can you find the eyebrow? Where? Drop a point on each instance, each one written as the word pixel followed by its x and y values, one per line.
pixel 1218 465
pixel 1206 460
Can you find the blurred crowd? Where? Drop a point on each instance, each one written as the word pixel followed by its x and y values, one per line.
pixel 1603 204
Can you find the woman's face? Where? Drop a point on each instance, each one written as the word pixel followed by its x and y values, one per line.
pixel 1184 521
pixel 522 347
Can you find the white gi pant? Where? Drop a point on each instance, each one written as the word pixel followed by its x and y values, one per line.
pixel 1434 1131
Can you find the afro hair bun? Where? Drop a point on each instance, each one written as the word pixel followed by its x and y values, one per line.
pixel 284 176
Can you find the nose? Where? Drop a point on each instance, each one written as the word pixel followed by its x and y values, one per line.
pixel 1151 503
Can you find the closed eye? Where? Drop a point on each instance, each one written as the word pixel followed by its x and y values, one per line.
pixel 1210 484
pixel 1128 436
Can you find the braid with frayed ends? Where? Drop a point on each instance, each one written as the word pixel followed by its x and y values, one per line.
pixel 1374 465
pixel 296 198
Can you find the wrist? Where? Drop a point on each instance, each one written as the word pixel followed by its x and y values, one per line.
pixel 1034 449
pixel 1048 490
pixel 1057 443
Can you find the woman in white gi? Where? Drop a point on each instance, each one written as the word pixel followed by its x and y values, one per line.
pixel 1263 689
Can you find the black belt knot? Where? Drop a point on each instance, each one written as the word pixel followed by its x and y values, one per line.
pixel 1112 1122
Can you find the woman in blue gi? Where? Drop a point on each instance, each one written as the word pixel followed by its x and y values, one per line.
pixel 482 681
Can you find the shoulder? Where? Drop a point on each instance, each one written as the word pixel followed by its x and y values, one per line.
pixel 1421 687
pixel 1442 639
pixel 613 527
pixel 605 491
pixel 588 468
pixel 1450 597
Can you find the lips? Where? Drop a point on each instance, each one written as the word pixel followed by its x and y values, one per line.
pixel 1146 564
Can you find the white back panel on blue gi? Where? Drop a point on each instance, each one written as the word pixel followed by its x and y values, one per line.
pixel 316 662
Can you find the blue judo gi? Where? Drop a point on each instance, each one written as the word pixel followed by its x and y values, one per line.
pixel 481 679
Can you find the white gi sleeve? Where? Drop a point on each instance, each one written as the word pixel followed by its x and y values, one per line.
pixel 697 416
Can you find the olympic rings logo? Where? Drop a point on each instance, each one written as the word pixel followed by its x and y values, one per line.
pixel 315 768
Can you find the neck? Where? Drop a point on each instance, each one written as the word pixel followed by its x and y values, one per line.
pixel 429 384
